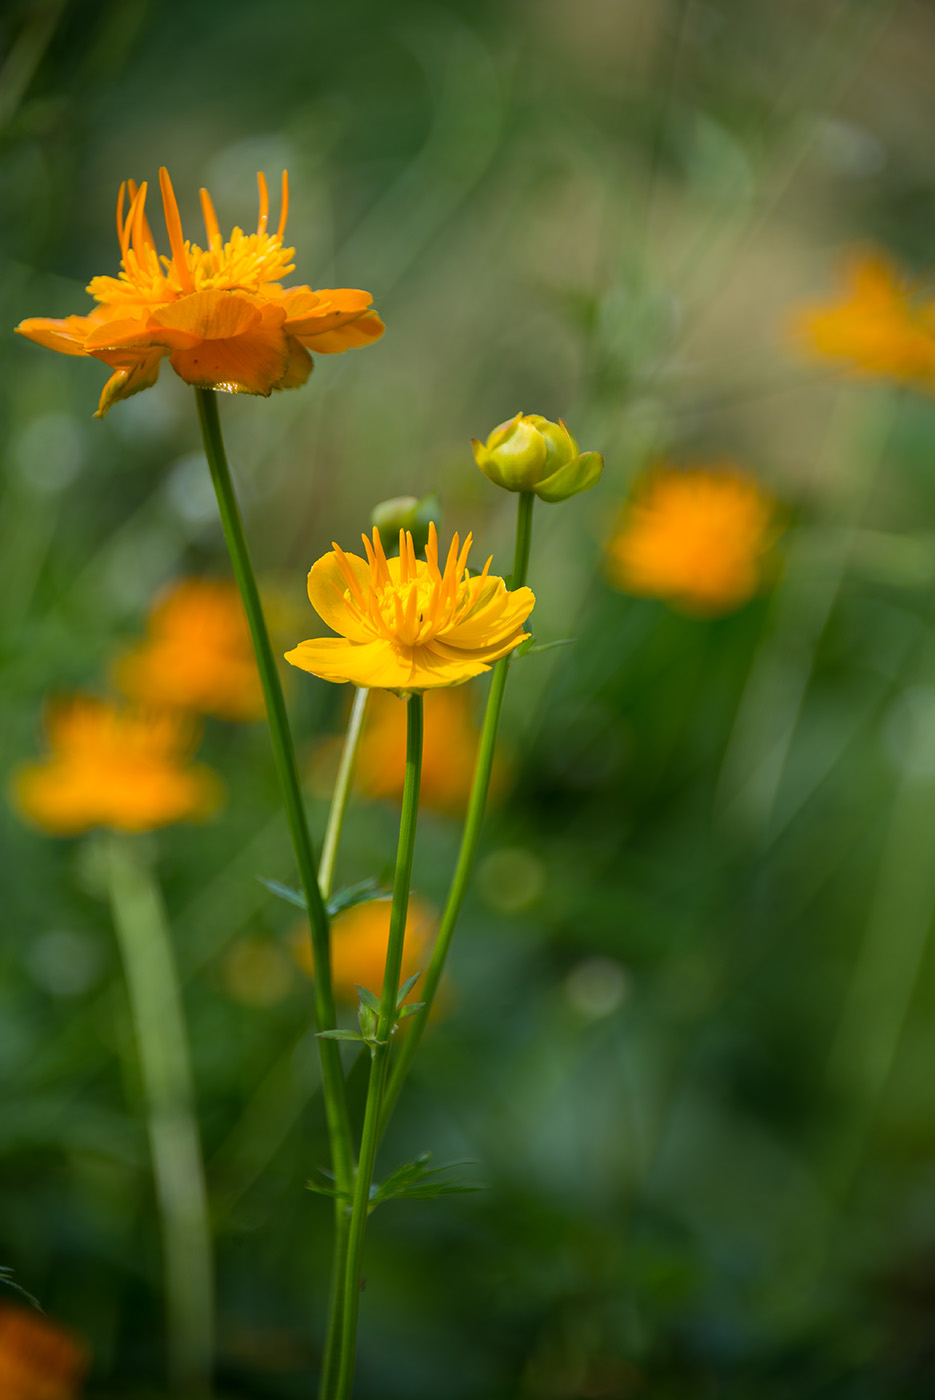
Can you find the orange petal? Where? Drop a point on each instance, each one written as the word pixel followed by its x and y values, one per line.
pixel 299 368
pixel 377 664
pixel 127 381
pixel 210 315
pixel 67 336
pixel 348 336
pixel 311 312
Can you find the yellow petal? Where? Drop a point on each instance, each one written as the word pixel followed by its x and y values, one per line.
pixel 371 664
pixel 327 586
pixel 124 382
pixel 360 331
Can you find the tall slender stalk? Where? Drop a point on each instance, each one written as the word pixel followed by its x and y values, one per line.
pixel 165 1068
pixel 342 789
pixel 470 836
pixel 333 1087
pixel 370 1135
pixel 342 1220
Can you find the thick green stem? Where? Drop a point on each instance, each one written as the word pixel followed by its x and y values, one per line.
pixel 470 837
pixel 333 1088
pixel 175 1147
pixel 342 789
pixel 370 1135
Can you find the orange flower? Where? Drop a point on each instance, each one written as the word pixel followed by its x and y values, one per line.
pixel 39 1360
pixel 876 327
pixel 197 654
pixel 220 314
pixel 359 938
pixel 407 625
pixel 449 748
pixel 694 538
pixel 115 767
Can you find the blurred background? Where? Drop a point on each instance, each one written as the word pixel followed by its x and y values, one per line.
pixel 687 1042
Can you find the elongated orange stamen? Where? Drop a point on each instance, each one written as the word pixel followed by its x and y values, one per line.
pixel 284 211
pixel 146 231
pixel 120 202
pixel 264 203
pixel 174 230
pixel 212 228
pixel 348 573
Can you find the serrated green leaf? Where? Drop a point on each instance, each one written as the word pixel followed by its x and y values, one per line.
pixel 410 1010
pixel 414 1181
pixel 535 647
pixel 323 1185
pixel 369 999
pixel 285 892
pixel 355 894
pixel 339 1035
pixel 407 987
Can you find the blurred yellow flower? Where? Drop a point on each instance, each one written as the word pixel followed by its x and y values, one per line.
pixel 407 625
pixel 694 538
pixel 220 314
pixel 876 326
pixel 116 767
pixel 197 654
pixel 38 1359
pixel 359 938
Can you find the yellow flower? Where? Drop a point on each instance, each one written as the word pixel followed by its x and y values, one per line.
pixel 449 748
pixel 694 538
pixel 876 327
pixel 407 625
pixel 197 654
pixel 38 1359
pixel 359 938
pixel 220 314
pixel 115 767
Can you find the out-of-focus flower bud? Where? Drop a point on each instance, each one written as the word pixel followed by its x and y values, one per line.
pixel 406 513
pixel 529 453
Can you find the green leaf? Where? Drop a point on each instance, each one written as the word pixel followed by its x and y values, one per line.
pixel 414 1181
pixel 339 1035
pixel 407 987
pixel 410 1010
pixel 340 900
pixel 323 1185
pixel 291 896
pixel 355 894
pixel 531 647
pixel 7 1280
pixel 368 999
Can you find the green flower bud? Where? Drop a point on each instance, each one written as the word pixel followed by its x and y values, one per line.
pixel 405 513
pixel 530 453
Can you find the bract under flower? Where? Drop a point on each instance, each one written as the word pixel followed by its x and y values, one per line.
pixel 218 313
pixel 197 654
pixel 114 767
pixel 408 625
pixel 694 538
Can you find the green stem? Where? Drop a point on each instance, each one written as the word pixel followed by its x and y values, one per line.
pixel 342 1222
pixel 470 837
pixel 342 789
pixel 370 1135
pixel 333 1088
pixel 178 1168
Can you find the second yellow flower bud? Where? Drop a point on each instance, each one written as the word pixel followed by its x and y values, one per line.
pixel 530 453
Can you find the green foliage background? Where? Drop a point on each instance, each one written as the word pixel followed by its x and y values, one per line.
pixel 689 1043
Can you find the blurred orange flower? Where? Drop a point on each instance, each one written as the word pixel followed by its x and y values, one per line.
pixel 38 1359
pixel 115 767
pixel 220 314
pixel 359 937
pixel 449 748
pixel 197 654
pixel 408 625
pixel 876 326
pixel 694 538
